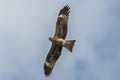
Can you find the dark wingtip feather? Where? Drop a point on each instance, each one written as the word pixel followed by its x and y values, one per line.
pixel 65 10
pixel 47 70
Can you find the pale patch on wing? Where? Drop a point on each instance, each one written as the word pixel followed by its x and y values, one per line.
pixel 48 64
pixel 63 16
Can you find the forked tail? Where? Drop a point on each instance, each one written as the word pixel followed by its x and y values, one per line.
pixel 69 44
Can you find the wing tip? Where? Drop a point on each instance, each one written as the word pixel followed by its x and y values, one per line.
pixel 65 10
pixel 67 7
pixel 47 70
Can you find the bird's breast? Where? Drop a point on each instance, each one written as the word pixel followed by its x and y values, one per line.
pixel 60 41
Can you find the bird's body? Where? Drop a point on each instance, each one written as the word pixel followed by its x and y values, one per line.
pixel 58 41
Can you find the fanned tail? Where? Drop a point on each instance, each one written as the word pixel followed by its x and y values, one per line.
pixel 69 44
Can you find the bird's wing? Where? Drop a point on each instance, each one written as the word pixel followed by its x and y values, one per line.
pixel 62 21
pixel 52 57
pixel 55 50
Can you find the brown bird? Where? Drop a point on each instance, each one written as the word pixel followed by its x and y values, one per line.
pixel 58 41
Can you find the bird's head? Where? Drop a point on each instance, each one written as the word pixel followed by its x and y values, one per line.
pixel 52 39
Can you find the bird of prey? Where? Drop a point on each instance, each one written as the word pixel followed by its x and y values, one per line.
pixel 58 41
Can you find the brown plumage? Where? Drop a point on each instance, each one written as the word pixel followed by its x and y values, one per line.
pixel 58 41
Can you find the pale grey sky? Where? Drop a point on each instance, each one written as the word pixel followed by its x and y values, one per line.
pixel 25 26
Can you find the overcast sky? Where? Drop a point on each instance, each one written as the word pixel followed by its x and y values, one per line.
pixel 25 26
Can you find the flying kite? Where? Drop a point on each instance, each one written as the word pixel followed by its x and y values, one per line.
pixel 58 41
